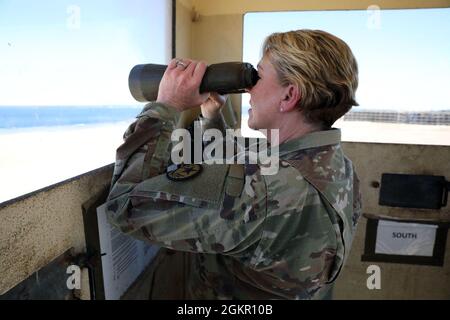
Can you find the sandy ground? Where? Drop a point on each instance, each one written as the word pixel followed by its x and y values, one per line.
pixel 377 132
pixel 31 159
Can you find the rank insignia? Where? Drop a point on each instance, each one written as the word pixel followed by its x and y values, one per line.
pixel 180 172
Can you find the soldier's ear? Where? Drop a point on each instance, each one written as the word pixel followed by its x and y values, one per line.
pixel 291 97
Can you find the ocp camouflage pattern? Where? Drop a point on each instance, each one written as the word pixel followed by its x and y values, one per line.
pixel 283 236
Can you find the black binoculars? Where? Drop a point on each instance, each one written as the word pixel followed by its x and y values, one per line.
pixel 223 78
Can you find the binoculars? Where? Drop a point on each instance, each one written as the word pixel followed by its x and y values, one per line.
pixel 223 78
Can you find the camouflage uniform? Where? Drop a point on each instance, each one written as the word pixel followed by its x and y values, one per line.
pixel 283 236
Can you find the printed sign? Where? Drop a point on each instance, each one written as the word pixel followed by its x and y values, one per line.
pixel 401 238
pixel 123 257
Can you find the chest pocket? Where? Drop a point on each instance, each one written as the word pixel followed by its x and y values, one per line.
pixel 204 190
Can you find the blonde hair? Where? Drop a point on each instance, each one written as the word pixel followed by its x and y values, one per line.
pixel 321 65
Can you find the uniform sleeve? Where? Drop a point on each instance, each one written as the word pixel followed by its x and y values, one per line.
pixel 221 210
pixel 146 148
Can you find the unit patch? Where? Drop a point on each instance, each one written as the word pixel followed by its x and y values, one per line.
pixel 180 172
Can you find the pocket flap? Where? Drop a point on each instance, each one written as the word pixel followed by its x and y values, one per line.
pixel 204 190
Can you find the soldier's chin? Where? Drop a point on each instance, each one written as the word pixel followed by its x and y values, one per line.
pixel 251 124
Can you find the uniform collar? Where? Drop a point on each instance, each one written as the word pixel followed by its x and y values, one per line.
pixel 311 140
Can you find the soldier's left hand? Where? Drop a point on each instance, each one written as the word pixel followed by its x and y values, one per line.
pixel 211 107
pixel 180 84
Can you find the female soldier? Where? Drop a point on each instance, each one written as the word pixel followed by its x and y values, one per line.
pixel 254 236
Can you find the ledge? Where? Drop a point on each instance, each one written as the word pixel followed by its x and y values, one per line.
pixel 56 185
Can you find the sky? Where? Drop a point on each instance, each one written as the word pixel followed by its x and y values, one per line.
pixel 403 55
pixel 78 52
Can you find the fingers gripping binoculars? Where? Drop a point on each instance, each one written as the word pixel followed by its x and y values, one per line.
pixel 223 78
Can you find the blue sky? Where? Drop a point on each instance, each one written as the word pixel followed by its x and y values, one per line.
pixel 80 52
pixel 77 52
pixel 403 55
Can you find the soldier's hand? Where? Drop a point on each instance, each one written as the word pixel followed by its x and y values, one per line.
pixel 180 84
pixel 211 107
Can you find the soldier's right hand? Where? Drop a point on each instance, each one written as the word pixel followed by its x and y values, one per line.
pixel 180 84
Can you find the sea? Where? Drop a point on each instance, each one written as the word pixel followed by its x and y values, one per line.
pixel 17 117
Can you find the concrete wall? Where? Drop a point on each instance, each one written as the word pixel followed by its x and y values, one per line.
pixel 398 281
pixel 38 227
pixel 208 38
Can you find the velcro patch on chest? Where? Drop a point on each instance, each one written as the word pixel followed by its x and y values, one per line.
pixel 181 172
pixel 207 186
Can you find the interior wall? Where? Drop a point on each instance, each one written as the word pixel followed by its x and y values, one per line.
pixel 230 7
pixel 45 224
pixel 398 281
pixel 217 39
pixel 183 29
pixel 217 32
